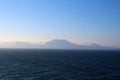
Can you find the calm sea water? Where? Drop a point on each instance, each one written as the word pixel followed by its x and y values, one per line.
pixel 59 65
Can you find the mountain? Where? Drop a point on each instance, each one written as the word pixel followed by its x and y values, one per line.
pixel 64 44
pixel 53 44
pixel 60 44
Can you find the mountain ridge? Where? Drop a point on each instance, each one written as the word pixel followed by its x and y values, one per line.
pixel 53 44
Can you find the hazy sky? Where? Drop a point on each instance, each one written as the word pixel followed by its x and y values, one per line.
pixel 80 21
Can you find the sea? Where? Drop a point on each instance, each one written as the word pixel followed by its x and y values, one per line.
pixel 35 64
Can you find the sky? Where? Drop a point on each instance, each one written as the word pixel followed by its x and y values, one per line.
pixel 79 21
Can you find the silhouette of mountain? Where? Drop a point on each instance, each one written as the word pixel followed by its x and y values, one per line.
pixel 60 44
pixel 64 44
pixel 53 44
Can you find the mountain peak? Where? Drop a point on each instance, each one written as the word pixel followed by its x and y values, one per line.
pixel 59 44
pixel 58 41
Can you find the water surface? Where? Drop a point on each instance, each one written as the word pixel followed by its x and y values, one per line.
pixel 33 64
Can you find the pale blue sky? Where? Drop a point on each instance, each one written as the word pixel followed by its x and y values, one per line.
pixel 80 21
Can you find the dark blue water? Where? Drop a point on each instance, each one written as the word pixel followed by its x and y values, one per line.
pixel 59 65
